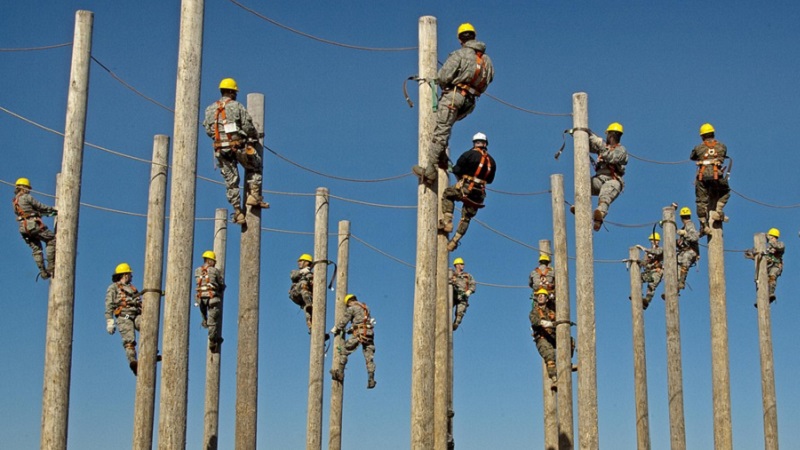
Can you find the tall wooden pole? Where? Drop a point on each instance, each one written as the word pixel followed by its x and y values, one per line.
pixel 337 388
pixel 566 433
pixel 639 357
pixel 769 401
pixel 422 367
pixel 145 403
pixel 549 399
pixel 720 370
pixel 175 364
pixel 677 425
pixel 213 360
pixel 316 362
pixel 584 278
pixel 443 323
pixel 249 293
pixel 58 347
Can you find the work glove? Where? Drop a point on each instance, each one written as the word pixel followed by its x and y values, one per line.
pixel 110 326
pixel 335 331
pixel 640 247
pixel 305 270
pixel 681 232
pixel 468 293
pixel 546 323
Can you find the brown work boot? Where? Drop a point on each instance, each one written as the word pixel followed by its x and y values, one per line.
pixel 337 375
pixel 446 224
pixel 257 201
pixel 426 175
pixel 572 209
pixel 134 365
pixel 598 219
pixel 44 274
pixel 554 383
pixel 238 217
pixel 371 383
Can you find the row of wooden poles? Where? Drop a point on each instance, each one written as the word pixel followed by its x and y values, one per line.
pixel 431 392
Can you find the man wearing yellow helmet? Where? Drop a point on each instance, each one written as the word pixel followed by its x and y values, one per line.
pixel 235 137
pixel 362 333
pixel 652 269
pixel 774 257
pixel 543 318
pixel 687 246
pixel 543 277
pixel 474 170
pixel 612 157
pixel 301 292
pixel 124 303
pixel 711 187
pixel 210 286
pixel 463 285
pixel 463 77
pixel 34 232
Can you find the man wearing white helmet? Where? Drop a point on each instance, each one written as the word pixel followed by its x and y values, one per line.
pixel 463 77
pixel 210 286
pixel 463 285
pixel 473 170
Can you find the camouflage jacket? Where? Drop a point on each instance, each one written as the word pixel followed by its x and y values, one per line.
pixel 302 279
pixel 709 156
pixel 357 315
pixel 775 251
pixel 653 259
pixel 690 240
pixel 611 160
pixel 209 281
pixel 29 211
pixel 537 315
pixel 459 68
pixel 240 124
pixel 543 277
pixel 461 283
pixel 121 299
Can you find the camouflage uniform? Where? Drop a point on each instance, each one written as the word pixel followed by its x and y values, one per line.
pixel 652 271
pixel 543 319
pixel 463 286
pixel 124 303
pixel 474 169
pixel 543 277
pixel 607 183
pixel 361 332
pixel 462 82
pixel 232 147
pixel 710 186
pixel 688 251
pixel 29 213
pixel 210 287
pixel 775 249
pixel 301 292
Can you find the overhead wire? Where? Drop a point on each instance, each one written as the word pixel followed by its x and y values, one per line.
pixel 30 49
pixel 335 177
pixel 124 83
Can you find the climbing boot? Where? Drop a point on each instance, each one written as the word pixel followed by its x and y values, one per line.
pixel 554 383
pixel 598 219
pixel 426 175
pixel 446 224
pixel 134 365
pixel 371 382
pixel 453 244
pixel 238 216
pixel 574 367
pixel 215 344
pixel 337 374
pixel 456 323
pixel 257 201
pixel 572 209
pixel 705 230
pixel 204 323
pixel 44 274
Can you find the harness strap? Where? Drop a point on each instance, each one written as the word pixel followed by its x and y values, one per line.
pixel 218 142
pixel 484 161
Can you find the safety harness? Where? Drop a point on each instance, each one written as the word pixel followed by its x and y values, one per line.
pixel 23 216
pixel 126 300
pixel 474 181
pixel 362 331
pixel 710 158
pixel 551 316
pixel 463 276
pixel 480 78
pixel 205 288
pixel 231 141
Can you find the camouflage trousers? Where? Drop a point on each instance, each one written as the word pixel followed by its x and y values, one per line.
pixel 303 298
pixel 653 279
pixel 35 235
pixel 546 346
pixel 711 195
pixel 452 107
pixel 773 272
pixel 460 304
pixel 367 346
pixel 211 309
pixel 128 325
pixel 458 192
pixel 686 259
pixel 607 189
pixel 229 167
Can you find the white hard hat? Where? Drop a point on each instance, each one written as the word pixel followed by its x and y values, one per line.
pixel 480 137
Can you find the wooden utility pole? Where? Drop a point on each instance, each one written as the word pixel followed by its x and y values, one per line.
pixel 249 293
pixel 444 334
pixel 337 388
pixel 639 357
pixel 720 370
pixel 145 403
pixel 422 363
pixel 769 400
pixel 316 362
pixel 548 393
pixel 175 364
pixel 584 279
pixel 60 311
pixel 677 426
pixel 566 433
pixel 213 360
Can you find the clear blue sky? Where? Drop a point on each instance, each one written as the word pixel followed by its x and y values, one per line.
pixel 660 70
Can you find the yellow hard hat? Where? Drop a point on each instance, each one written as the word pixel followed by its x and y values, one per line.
pixel 348 297
pixel 616 126
pixel 228 83
pixel 458 261
pixel 305 257
pixel 706 128
pixel 685 211
pixel 542 291
pixel 544 257
pixel 208 254
pixel 122 268
pixel 23 182
pixel 774 232
pixel 654 237
pixel 464 28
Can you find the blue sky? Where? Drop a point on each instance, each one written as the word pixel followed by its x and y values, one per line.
pixel 661 70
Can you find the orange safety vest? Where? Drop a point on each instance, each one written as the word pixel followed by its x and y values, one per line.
pixel 22 216
pixel 709 155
